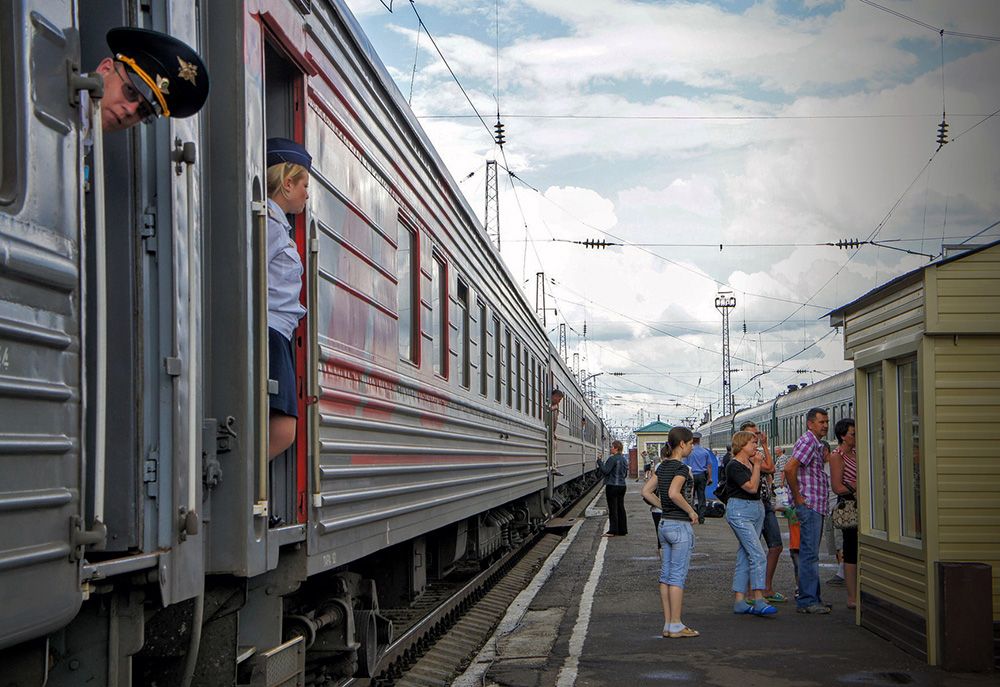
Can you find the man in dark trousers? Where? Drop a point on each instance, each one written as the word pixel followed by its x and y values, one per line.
pixel 615 471
pixel 700 463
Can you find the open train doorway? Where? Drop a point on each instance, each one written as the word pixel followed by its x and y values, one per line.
pixel 283 90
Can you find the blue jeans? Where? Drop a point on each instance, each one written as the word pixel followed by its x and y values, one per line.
pixel 747 518
pixel 677 540
pixel 811 529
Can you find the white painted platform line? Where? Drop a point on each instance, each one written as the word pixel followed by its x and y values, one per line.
pixel 567 675
pixel 474 674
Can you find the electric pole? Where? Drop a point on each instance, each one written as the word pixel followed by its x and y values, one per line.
pixel 492 204
pixel 724 302
pixel 540 298
pixel 563 350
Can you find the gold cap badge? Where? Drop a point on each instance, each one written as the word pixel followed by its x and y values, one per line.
pixel 188 72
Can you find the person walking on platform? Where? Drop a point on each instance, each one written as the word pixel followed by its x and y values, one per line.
pixel 745 515
pixel 700 462
pixel 615 471
pixel 671 488
pixel 809 485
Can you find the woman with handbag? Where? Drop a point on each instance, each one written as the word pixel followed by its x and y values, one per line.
pixel 844 481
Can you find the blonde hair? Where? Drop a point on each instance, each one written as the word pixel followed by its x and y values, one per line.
pixel 741 439
pixel 278 174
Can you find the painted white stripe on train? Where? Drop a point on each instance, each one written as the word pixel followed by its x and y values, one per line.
pixel 473 675
pixel 568 673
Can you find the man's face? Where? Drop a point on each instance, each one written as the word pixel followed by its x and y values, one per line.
pixel 819 426
pixel 122 106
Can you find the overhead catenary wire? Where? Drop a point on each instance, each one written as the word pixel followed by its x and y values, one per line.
pixel 675 263
pixel 937 29
pixel 707 117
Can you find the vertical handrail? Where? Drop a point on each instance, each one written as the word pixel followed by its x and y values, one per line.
pixel 260 314
pixel 100 311
pixel 194 296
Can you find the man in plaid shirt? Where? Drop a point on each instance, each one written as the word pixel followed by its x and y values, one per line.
pixel 810 487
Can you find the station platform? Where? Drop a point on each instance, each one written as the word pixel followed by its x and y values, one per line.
pixel 592 617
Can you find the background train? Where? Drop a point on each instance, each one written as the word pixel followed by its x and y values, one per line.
pixel 784 417
pixel 144 536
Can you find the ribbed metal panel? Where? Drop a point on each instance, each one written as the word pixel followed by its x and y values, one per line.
pixel 40 324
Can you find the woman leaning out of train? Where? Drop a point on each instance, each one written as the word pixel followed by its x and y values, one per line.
pixel 614 469
pixel 745 515
pixel 288 167
pixel 844 481
pixel 672 488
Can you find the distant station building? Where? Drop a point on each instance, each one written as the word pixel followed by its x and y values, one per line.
pixel 926 353
pixel 651 438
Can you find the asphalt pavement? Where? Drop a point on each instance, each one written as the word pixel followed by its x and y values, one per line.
pixel 593 617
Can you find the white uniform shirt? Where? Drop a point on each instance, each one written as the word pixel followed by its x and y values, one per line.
pixel 284 274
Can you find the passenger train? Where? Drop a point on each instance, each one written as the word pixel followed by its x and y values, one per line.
pixel 784 417
pixel 145 538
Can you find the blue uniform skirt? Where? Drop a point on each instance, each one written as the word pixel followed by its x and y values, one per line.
pixel 281 369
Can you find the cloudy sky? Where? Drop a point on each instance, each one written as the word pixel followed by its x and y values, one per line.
pixel 674 127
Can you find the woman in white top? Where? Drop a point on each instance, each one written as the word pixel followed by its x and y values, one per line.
pixel 288 166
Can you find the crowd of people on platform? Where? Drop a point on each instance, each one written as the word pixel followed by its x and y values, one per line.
pixel 813 486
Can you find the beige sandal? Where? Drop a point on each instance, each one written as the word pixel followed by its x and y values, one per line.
pixel 685 633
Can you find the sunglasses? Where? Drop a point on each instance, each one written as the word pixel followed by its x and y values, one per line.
pixel 146 112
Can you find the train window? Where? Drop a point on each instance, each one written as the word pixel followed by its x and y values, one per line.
pixel 406 293
pixel 510 370
pixel 463 334
pixel 484 380
pixel 497 361
pixel 533 390
pixel 520 382
pixel 439 315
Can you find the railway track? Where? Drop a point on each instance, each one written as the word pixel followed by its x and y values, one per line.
pixel 441 641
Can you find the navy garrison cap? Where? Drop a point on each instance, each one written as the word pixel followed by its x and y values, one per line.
pixel 696 435
pixel 167 72
pixel 286 150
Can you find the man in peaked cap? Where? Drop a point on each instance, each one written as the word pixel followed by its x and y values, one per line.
pixel 150 75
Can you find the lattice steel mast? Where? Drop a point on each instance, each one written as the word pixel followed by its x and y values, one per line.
pixel 724 302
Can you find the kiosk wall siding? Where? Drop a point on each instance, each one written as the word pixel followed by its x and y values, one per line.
pixel 963 296
pixel 891 575
pixel 898 315
pixel 967 403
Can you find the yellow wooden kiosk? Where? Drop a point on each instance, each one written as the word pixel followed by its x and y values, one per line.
pixel 926 353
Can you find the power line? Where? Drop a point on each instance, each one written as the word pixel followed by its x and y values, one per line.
pixel 680 265
pixel 674 118
pixel 924 24
pixel 450 70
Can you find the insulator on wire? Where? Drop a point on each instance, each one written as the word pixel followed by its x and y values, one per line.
pixel 849 243
pixel 942 137
pixel 499 136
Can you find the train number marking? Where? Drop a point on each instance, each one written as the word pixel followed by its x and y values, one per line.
pixel 4 358
pixel 329 560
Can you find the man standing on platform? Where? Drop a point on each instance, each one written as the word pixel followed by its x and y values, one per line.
pixel 614 469
pixel 810 486
pixel 700 463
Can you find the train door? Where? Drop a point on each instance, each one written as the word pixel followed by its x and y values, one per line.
pixel 42 525
pixel 152 468
pixel 283 92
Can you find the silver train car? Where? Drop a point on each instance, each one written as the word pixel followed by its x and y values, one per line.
pixel 784 417
pixel 144 535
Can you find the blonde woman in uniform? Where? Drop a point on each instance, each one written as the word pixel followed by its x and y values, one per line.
pixel 288 166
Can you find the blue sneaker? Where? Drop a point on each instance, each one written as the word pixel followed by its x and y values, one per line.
pixel 763 610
